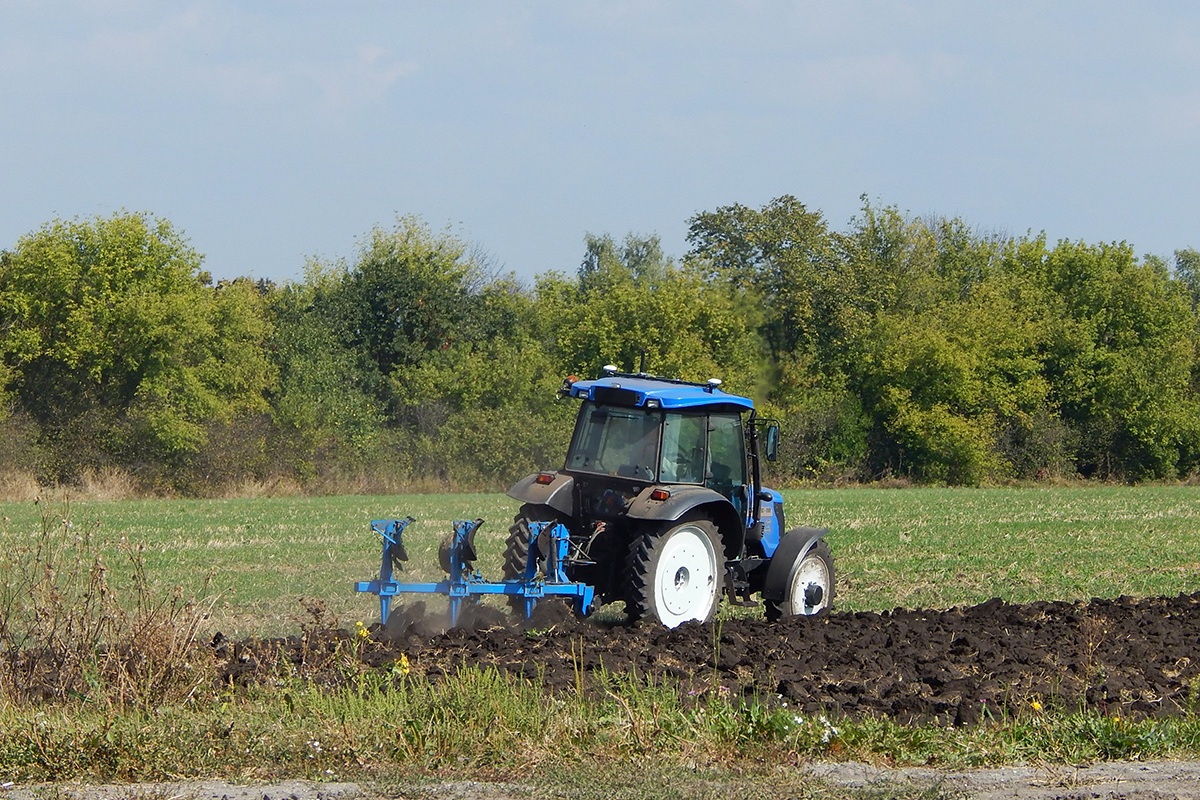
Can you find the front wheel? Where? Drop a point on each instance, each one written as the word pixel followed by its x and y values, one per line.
pixel 809 587
pixel 675 573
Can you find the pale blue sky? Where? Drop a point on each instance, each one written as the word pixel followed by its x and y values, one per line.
pixel 274 131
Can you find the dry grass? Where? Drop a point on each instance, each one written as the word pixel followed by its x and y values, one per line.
pixel 73 626
pixel 252 489
pixel 108 483
pixel 115 484
pixel 18 486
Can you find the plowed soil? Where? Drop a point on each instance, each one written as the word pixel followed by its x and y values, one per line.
pixel 1133 657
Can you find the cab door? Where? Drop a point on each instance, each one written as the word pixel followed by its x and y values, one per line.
pixel 725 471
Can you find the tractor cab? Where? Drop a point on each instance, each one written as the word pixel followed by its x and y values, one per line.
pixel 693 447
pixel 635 431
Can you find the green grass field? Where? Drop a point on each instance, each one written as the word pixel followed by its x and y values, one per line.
pixel 262 558
pixel 910 547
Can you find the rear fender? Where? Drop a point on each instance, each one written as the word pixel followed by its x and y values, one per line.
pixel 557 494
pixel 684 499
pixel 794 545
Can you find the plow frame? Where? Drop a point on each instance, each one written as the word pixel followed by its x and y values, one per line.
pixel 544 574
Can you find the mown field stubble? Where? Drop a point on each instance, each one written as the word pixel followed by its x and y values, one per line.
pixel 707 707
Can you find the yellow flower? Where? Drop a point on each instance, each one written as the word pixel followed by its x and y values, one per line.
pixel 360 630
pixel 404 667
pixel 1036 706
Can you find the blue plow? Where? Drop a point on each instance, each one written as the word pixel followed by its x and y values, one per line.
pixel 544 574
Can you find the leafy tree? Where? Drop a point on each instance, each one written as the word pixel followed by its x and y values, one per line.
pixel 114 337
pixel 944 353
pixel 780 267
pixel 1187 270
pixel 944 386
pixel 412 360
pixel 326 404
pixel 493 416
pixel 639 258
pixel 407 295
pixel 467 402
pixel 632 310
pixel 786 261
pixel 823 421
pixel 1120 356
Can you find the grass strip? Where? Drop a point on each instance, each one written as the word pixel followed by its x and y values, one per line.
pixel 485 725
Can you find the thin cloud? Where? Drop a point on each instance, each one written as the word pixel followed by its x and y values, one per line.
pixel 359 80
pixel 362 80
pixel 216 51
pixel 879 78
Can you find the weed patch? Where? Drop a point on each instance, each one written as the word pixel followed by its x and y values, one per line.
pixel 75 626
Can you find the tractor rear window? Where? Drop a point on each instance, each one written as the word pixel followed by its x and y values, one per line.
pixel 616 441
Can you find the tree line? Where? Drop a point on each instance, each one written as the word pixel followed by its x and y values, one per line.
pixel 901 347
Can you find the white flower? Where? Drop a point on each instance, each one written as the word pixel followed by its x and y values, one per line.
pixel 829 732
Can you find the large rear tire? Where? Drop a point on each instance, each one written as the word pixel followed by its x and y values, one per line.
pixel 675 573
pixel 809 586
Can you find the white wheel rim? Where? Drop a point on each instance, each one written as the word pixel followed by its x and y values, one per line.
pixel 811 571
pixel 685 579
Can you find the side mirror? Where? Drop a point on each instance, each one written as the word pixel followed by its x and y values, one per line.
pixel 771 442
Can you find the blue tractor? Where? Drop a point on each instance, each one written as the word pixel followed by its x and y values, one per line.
pixel 660 504
pixel 662 497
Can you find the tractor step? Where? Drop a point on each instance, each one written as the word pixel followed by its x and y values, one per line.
pixel 544 574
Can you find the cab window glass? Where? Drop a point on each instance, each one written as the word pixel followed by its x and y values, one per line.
pixel 727 461
pixel 682 449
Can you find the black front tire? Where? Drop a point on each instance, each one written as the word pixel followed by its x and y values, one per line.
pixel 810 586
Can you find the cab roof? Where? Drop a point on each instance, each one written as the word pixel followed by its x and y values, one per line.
pixel 645 391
